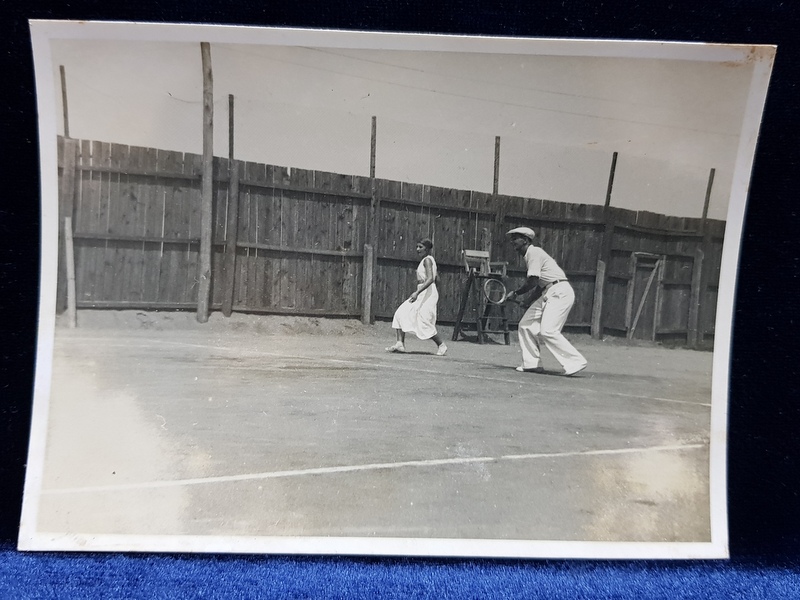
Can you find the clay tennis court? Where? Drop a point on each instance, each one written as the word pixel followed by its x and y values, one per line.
pixel 277 426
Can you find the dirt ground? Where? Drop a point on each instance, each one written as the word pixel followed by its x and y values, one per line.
pixel 288 426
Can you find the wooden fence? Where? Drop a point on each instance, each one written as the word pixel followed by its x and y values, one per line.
pixel 300 240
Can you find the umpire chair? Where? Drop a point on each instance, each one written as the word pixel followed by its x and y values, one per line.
pixel 490 318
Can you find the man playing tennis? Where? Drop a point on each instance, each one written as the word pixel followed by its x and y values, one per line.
pixel 547 315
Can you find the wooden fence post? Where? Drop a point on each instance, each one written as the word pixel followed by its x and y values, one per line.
pixel 69 257
pixel 701 298
pixel 605 256
pixel 597 304
pixel 232 223
pixel 204 264
pixel 369 263
pixel 65 209
pixel 692 335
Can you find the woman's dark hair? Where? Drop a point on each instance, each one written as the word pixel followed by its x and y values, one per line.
pixel 427 243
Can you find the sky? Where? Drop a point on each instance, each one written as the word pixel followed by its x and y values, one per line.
pixel 560 118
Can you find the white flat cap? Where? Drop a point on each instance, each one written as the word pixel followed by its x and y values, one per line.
pixel 526 231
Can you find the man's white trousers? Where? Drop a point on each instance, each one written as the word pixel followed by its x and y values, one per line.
pixel 544 320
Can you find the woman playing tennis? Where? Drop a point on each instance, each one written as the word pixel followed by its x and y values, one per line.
pixel 417 315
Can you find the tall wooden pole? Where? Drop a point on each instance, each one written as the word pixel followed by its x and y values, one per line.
pixel 232 225
pixel 707 200
pixel 499 205
pixel 66 204
pixel 605 256
pixel 370 263
pixel 488 234
pixel 204 274
pixel 64 99
pixel 610 187
pixel 372 147
pixel 496 182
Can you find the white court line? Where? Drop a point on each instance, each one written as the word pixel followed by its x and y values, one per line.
pixel 357 468
pixel 399 368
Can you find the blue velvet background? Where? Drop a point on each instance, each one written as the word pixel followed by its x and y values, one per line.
pixel 184 576
pixel 763 448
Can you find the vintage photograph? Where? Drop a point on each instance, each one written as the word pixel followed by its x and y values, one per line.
pixel 333 292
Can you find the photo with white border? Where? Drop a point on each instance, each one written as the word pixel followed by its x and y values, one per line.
pixel 250 235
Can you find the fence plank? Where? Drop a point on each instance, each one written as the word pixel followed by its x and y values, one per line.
pixel 104 283
pixel 195 264
pixel 243 235
pixel 253 172
pixel 276 175
pixel 321 234
pixel 170 162
pixel 694 300
pixel 116 254
pixel 185 281
pixel 69 260
pixel 343 288
pixel 287 238
pixel 91 255
pixel 153 198
pixel 367 279
pixel 138 208
pixel 83 221
pixel 305 289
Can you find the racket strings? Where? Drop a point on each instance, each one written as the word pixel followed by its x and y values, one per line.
pixel 494 290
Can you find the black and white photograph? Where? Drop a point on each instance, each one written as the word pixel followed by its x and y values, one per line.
pixel 340 292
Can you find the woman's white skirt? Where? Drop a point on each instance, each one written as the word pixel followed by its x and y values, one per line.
pixel 418 317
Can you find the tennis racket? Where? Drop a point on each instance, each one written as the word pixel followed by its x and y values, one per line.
pixel 494 290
